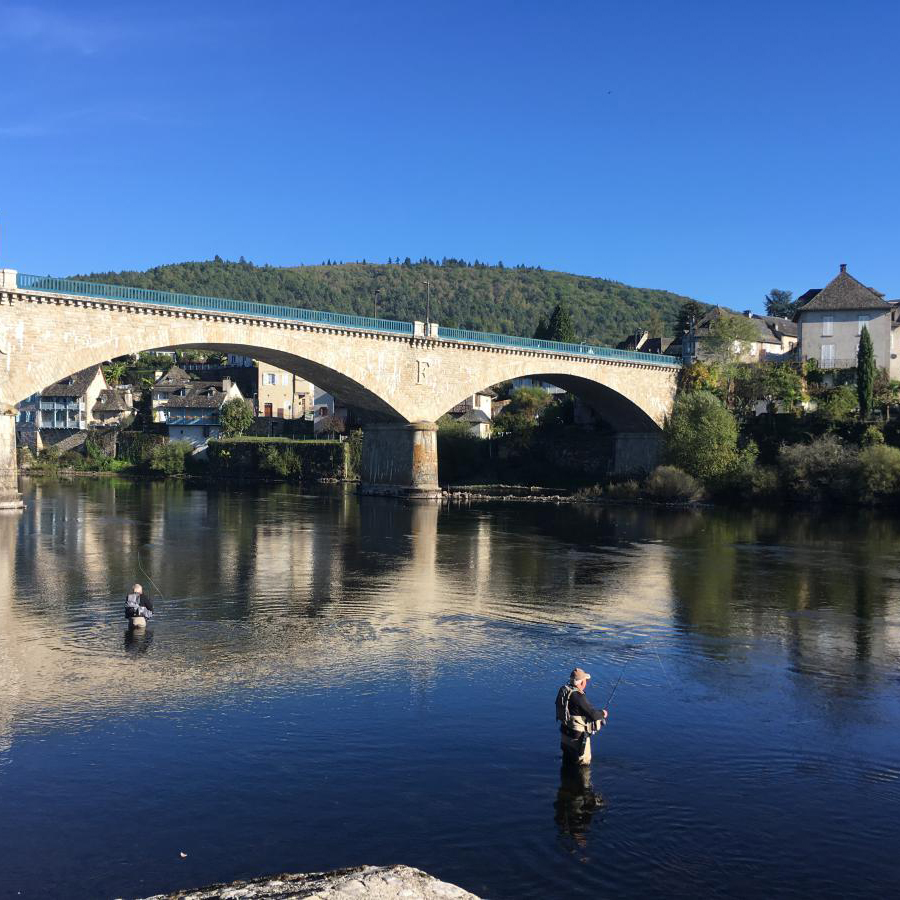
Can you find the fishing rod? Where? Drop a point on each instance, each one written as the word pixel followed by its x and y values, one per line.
pixel 615 687
pixel 141 567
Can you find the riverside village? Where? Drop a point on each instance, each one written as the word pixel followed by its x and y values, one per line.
pixel 328 572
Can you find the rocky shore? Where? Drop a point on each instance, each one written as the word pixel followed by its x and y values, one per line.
pixel 367 882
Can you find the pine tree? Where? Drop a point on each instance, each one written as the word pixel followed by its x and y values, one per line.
pixel 560 328
pixel 865 374
pixel 542 330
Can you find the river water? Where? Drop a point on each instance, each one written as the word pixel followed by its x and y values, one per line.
pixel 331 681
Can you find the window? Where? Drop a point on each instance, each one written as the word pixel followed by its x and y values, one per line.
pixel 269 378
pixel 860 321
pixel 827 326
pixel 285 379
pixel 827 358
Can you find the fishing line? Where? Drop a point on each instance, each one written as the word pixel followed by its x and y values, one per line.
pixel 615 687
pixel 141 566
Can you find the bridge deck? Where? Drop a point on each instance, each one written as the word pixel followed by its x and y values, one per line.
pixel 75 287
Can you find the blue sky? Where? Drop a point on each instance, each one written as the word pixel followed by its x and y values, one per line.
pixel 714 149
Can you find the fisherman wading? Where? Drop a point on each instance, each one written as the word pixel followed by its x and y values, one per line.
pixel 578 719
pixel 138 607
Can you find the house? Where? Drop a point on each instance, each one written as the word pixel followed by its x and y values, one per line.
pixel 283 394
pixel 476 412
pixel 775 338
pixel 642 342
pixel 192 414
pixel 831 320
pixel 67 404
pixel 113 406
pixel 190 409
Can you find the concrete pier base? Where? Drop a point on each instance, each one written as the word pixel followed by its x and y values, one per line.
pixel 400 460
pixel 636 453
pixel 10 498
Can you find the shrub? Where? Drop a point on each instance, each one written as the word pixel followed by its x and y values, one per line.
pixel 871 436
pixel 824 469
pixel 623 490
pixel 589 493
pixel 701 436
pixel 879 471
pixel 236 416
pixel 26 458
pixel 668 484
pixel 282 460
pixel 169 458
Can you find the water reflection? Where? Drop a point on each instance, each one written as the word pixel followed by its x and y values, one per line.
pixel 576 803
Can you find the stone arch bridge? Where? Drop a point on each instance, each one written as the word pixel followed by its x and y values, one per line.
pixel 400 376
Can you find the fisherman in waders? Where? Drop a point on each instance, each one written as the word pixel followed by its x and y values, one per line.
pixel 578 719
pixel 138 607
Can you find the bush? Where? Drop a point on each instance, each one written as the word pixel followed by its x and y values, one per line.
pixel 824 469
pixel 871 436
pixel 623 490
pixel 169 458
pixel 667 484
pixel 236 416
pixel 701 436
pixel 879 472
pixel 282 460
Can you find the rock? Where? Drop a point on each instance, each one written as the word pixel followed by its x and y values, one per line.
pixel 370 882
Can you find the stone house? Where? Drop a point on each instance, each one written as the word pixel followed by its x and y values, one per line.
pixel 776 338
pixel 641 342
pixel 476 412
pixel 283 394
pixel 189 408
pixel 113 406
pixel 68 404
pixel 831 319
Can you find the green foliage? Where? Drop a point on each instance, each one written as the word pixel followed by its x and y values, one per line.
pixel 837 404
pixel 354 453
pixel 730 337
pixel 778 385
pixel 623 490
pixel 865 374
pixel 236 417
pixel 688 312
pixel 247 456
pixel 523 412
pixel 701 436
pixel 282 460
pixel 700 376
pixel 114 372
pixel 507 300
pixel 879 472
pixel 169 458
pixel 871 436
pixel 560 325
pixel 779 303
pixel 668 484
pixel 448 426
pixel 825 469
pixel 885 392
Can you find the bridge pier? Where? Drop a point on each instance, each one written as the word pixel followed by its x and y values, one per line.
pixel 10 498
pixel 400 460
pixel 636 452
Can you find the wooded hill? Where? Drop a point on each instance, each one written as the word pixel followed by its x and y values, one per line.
pixel 463 295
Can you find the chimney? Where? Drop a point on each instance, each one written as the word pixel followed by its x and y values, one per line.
pixel 226 385
pixel 843 267
pixel 157 375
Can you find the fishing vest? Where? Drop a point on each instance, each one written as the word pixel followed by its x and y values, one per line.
pixel 134 606
pixel 576 723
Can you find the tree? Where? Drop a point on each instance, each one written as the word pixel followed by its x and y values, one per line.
pixel 779 303
pixel 543 329
pixel 560 326
pixel 236 416
pixel 115 371
pixel 730 337
pixel 655 324
pixel 865 374
pixel 701 436
pixel 886 392
pixel 689 312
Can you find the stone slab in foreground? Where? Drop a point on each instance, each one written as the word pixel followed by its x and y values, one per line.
pixel 366 882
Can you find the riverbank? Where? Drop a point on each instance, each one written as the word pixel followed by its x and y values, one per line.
pixel 373 882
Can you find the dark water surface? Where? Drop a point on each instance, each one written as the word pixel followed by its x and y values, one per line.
pixel 333 681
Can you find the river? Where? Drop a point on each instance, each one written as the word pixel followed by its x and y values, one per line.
pixel 332 680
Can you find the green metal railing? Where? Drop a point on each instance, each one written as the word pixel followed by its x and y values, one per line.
pixel 505 340
pixel 207 304
pixel 247 308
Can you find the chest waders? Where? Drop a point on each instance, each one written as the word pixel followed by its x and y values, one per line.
pixel 574 730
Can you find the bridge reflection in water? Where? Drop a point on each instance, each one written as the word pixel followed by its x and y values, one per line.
pixel 327 664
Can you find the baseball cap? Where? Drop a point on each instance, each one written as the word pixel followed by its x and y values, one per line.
pixel 578 675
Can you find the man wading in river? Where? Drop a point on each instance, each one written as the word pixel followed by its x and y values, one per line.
pixel 578 719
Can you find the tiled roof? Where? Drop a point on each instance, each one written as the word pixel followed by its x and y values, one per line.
pixel 843 292
pixel 175 375
pixel 477 417
pixel 73 386
pixel 201 397
pixel 111 400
